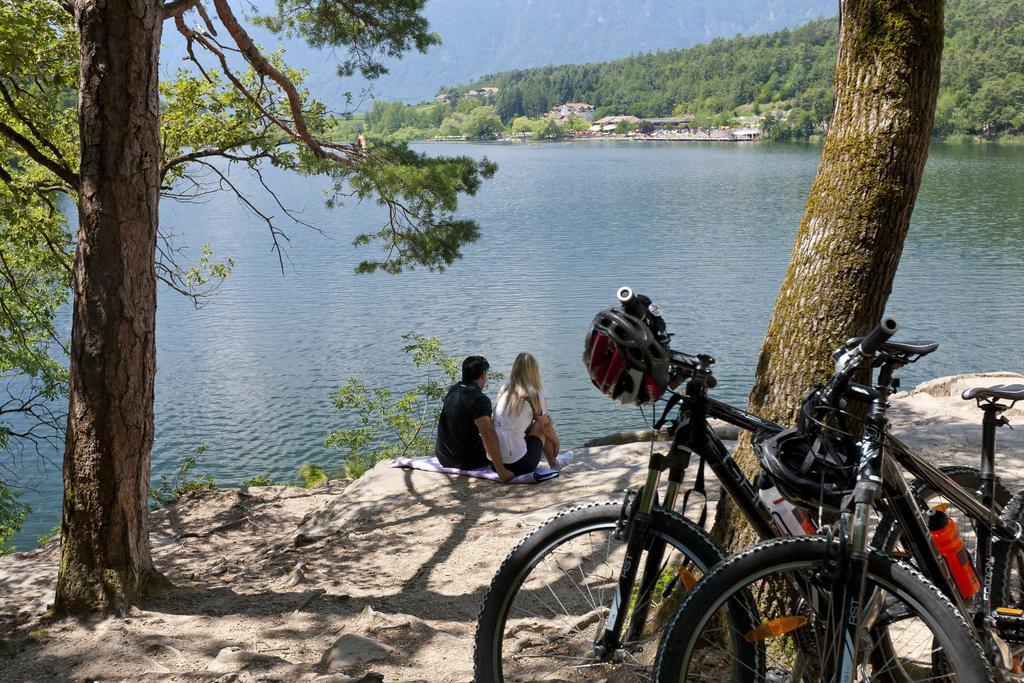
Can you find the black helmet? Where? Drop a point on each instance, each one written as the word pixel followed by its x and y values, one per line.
pixel 626 359
pixel 808 469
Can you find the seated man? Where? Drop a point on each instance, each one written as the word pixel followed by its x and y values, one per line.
pixel 465 434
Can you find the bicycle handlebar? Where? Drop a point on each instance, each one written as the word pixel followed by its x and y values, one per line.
pixel 881 333
pixel 853 359
pixel 633 303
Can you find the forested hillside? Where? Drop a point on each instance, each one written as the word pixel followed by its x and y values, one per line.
pixel 982 81
pixel 480 36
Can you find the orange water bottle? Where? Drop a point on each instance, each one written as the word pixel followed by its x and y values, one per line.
pixel 948 540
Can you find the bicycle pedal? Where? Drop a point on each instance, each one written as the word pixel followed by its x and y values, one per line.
pixel 1009 616
pixel 1010 623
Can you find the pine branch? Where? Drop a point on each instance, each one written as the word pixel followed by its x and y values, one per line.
pixel 34 152
pixel 176 8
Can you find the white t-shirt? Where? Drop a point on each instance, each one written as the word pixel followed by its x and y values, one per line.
pixel 511 427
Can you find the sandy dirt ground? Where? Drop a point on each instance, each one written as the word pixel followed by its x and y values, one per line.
pixel 387 573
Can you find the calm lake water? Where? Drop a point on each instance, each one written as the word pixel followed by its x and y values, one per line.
pixel 704 229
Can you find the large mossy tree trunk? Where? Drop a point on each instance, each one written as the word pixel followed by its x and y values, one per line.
pixel 858 212
pixel 105 552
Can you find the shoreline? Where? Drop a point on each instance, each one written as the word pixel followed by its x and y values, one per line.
pixel 954 140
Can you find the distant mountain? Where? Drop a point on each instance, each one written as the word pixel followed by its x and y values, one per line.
pixel 488 36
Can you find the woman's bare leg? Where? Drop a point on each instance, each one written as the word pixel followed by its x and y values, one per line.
pixel 550 450
pixel 538 430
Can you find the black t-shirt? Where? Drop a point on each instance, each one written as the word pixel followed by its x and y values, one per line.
pixel 458 439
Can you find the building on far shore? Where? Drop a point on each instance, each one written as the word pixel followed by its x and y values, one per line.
pixel 564 112
pixel 609 123
pixel 674 128
pixel 670 122
pixel 482 92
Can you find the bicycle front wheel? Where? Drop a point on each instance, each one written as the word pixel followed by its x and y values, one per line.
pixel 787 585
pixel 549 601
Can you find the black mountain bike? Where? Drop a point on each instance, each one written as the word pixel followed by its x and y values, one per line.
pixel 830 608
pixel 586 595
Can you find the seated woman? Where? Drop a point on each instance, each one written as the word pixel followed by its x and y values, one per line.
pixel 521 419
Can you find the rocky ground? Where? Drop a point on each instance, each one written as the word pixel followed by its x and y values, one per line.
pixel 381 579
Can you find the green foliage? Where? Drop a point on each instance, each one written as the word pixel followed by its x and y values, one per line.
pixel 423 193
pixel 387 118
pixel 183 481
pixel 49 535
pixel 12 515
pixel 390 425
pixel 523 126
pixel 481 122
pixel 312 476
pixel 37 41
pixel 221 112
pixel 577 124
pixel 797 124
pixel 261 480
pixel 372 32
pixel 547 129
pixel 710 79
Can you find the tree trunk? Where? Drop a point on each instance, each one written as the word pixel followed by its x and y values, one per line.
pixel 849 243
pixel 106 559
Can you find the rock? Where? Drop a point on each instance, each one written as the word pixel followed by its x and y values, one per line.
pixel 235 659
pixel 725 431
pixel 236 677
pixel 155 667
pixel 296 576
pixel 351 650
pixel 374 621
pixel 620 438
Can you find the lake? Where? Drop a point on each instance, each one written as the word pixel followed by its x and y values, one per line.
pixel 705 229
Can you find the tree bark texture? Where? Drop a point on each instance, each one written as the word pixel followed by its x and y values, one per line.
pixel 858 212
pixel 105 553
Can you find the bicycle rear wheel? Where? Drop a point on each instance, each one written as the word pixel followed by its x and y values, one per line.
pixel 927 639
pixel 549 600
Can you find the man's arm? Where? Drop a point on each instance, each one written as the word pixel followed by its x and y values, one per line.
pixel 490 439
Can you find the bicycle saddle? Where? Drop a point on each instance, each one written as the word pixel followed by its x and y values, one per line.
pixel 1011 392
pixel 910 348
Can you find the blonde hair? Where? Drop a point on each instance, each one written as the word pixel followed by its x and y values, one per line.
pixel 524 384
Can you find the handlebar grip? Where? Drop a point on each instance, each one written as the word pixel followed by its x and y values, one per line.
pixel 878 336
pixel 631 302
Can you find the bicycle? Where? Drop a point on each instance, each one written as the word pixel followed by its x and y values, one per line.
pixel 846 602
pixel 589 589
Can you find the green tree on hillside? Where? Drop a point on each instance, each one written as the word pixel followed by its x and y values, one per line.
pixel 547 129
pixel 481 122
pixel 983 54
pixel 522 125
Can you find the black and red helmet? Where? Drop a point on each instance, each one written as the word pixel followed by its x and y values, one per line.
pixel 811 470
pixel 627 355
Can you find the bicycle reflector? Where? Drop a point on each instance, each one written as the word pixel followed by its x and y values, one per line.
pixel 775 628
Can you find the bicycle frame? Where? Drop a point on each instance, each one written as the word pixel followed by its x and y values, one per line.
pixel 882 458
pixel 692 435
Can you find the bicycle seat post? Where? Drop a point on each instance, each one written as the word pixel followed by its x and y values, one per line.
pixel 993 419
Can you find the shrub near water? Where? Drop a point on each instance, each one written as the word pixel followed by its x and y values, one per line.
pixel 183 481
pixel 390 424
pixel 12 514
